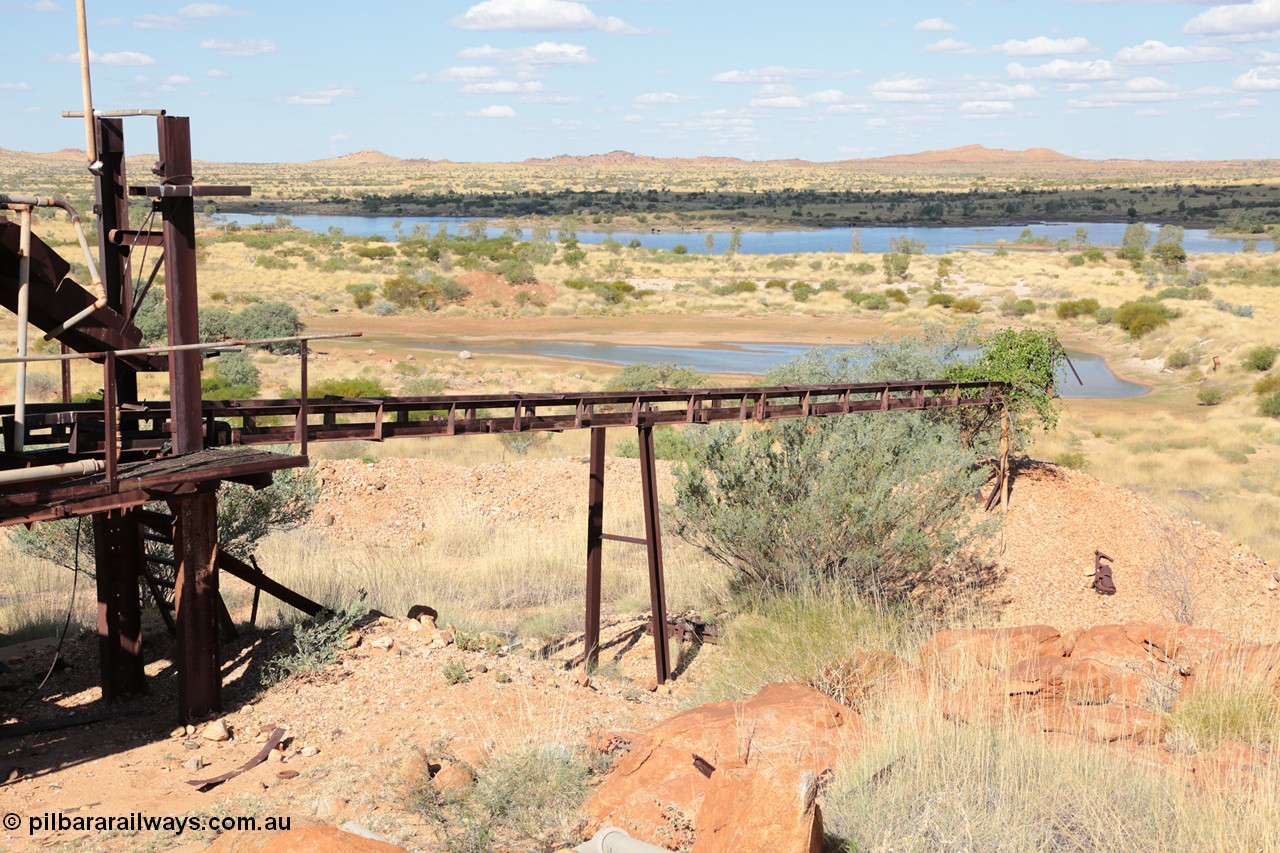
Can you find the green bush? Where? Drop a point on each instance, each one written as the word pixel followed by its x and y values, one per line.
pixel 1105 316
pixel 774 504
pixel 801 291
pixel 943 299
pixel 231 376
pixel 1093 253
pixel 1011 307
pixel 316 641
pixel 896 265
pixel 874 302
pixel 1269 406
pixel 967 305
pixel 1075 260
pixel 735 287
pixel 669 443
pixel 1210 395
pixel 362 294
pixel 1072 460
pixel 775 284
pixel 1267 385
pixel 377 251
pixel 645 375
pixel 350 386
pixel 271 262
pixel 1177 359
pixel 897 294
pixel 1260 358
pixel 1140 318
pixel 1072 308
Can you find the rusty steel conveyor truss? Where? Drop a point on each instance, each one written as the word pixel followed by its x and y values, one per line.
pixel 108 458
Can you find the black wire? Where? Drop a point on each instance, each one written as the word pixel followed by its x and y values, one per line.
pixel 57 652
pixel 142 264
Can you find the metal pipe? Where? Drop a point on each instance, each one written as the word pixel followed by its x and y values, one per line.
pixel 24 311
pixel 90 142
pixel 219 345
pixel 94 278
pixel 614 840
pixel 82 468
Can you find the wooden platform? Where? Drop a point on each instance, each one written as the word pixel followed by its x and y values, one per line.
pixel 142 482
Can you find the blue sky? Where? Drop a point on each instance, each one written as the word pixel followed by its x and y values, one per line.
pixel 502 80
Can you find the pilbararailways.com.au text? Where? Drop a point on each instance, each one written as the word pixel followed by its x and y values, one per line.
pixel 139 822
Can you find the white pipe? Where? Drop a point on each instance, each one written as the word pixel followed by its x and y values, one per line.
pixel 90 141
pixel 614 840
pixel 82 468
pixel 24 311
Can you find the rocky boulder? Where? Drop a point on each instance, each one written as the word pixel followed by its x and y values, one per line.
pixel 725 773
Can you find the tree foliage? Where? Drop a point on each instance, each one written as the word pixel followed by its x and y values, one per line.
pixel 1027 360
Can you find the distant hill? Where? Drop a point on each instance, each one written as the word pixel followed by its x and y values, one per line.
pixel 974 154
pixel 624 158
pixel 360 158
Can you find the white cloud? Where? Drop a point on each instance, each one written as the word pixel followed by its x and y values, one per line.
pixel 934 25
pixel 1151 112
pixel 768 74
pixel 157 22
pixel 457 74
pixel 952 46
pixel 210 10
pixel 1064 69
pixel 217 73
pixel 902 88
pixel 987 106
pixel 119 58
pixel 321 97
pixel 177 80
pixel 779 102
pixel 15 87
pixel 240 47
pixel 537 16
pixel 547 53
pixel 1249 19
pixel 1043 46
pixel 1154 52
pixel 1264 78
pixel 829 96
pixel 502 87
pixel 42 6
pixel 650 99
pixel 496 111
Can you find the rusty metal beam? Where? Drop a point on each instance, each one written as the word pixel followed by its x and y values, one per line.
pixel 595 547
pixel 196 603
pixel 653 533
pixel 117 542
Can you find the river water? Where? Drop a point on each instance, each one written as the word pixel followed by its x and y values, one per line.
pixel 873 238
pixel 758 359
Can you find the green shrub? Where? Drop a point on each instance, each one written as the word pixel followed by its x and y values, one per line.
pixel 1072 308
pixel 271 262
pixel 350 386
pixel 1210 395
pixel 1105 316
pixel 455 672
pixel 680 249
pixel 1200 293
pixel 773 503
pixel 801 291
pixel 967 305
pixel 669 443
pixel 377 251
pixel 1269 406
pixel 422 386
pixel 896 265
pixel 775 284
pixel 1093 253
pixel 1267 385
pixel 317 641
pixel 644 375
pixel 874 302
pixel 943 299
pixel 897 294
pixel 1072 459
pixel 1177 359
pixel 1140 318
pixel 1075 260
pixel 1260 358
pixel 736 287
pixel 1011 307
pixel 362 294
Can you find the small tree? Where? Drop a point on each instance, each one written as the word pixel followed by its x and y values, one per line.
pixel 896 266
pixel 1133 245
pixel 1168 247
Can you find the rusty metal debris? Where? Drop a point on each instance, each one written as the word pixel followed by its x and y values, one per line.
pixel 273 741
pixel 1103 583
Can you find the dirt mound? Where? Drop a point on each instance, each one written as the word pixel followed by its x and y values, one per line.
pixel 967 154
pixel 1164 564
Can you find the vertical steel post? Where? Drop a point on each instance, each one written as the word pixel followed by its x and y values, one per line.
pixel 653 534
pixel 181 295
pixel 595 549
pixel 117 541
pixel 196 516
pixel 66 373
pixel 112 208
pixel 196 604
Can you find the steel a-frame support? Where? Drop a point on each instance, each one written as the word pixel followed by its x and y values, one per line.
pixel 653 547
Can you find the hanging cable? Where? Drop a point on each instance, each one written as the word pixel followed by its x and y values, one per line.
pixel 57 652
